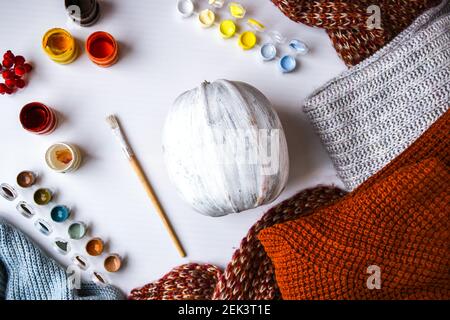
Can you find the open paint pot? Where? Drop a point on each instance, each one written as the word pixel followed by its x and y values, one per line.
pixel 80 261
pixel 247 40
pixel 25 209
pixel 37 118
pixel 268 52
pixel 113 263
pixel 62 246
pixel 227 29
pixel 26 179
pixel 102 49
pixel 77 230
pixel 43 227
pixel 43 196
pixel 60 46
pixel 288 64
pixel 83 12
pixel 95 247
pixel 60 213
pixel 207 18
pixel 8 192
pixel 185 8
pixel 63 157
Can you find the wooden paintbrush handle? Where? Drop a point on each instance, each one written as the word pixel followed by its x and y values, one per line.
pixel 151 194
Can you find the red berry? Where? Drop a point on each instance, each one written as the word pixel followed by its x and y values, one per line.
pixel 28 67
pixel 20 70
pixel 11 83
pixel 8 74
pixel 8 63
pixel 9 90
pixel 19 60
pixel 8 55
pixel 20 83
pixel 2 88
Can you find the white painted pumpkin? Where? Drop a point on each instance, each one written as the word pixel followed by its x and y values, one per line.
pixel 225 148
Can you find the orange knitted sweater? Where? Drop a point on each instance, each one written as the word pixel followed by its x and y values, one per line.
pixel 389 239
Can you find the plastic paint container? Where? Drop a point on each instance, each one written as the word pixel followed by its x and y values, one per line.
pixel 268 52
pixel 237 10
pixel 8 192
pixel 185 8
pixel 63 157
pixel 98 278
pixel 299 46
pixel 43 227
pixel 80 261
pixel 62 246
pixel 95 247
pixel 60 213
pixel 247 40
pixel 26 179
pixel 25 209
pixel 216 3
pixel 207 18
pixel 43 196
pixel 60 46
pixel 288 64
pixel 83 12
pixel 113 263
pixel 256 25
pixel 227 29
pixel 77 230
pixel 37 118
pixel 102 49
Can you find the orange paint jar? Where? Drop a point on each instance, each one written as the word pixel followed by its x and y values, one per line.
pixel 102 49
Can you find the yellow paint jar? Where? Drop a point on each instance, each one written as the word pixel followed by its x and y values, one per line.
pixel 60 46
pixel 247 40
pixel 207 18
pixel 227 29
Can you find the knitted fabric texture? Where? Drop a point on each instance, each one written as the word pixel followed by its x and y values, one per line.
pixel 397 221
pixel 26 273
pixel 250 274
pixel 370 114
pixel 350 23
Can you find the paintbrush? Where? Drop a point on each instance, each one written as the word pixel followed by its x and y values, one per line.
pixel 118 133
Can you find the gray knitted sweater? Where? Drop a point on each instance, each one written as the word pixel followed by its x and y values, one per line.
pixel 371 113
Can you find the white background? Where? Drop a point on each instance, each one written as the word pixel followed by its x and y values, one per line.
pixel 161 56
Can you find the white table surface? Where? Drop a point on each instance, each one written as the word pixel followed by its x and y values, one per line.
pixel 162 55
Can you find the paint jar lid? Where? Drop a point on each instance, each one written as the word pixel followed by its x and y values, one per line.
pixel 95 247
pixel 26 179
pixel 227 29
pixel 216 3
pixel 277 37
pixel 185 8
pixel 288 64
pixel 43 226
pixel 60 213
pixel 256 25
pixel 237 10
pixel 77 230
pixel 206 18
pixel 113 263
pixel 80 261
pixel 268 51
pixel 99 278
pixel 8 192
pixel 299 46
pixel 247 40
pixel 61 245
pixel 25 209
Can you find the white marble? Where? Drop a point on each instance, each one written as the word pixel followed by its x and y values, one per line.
pixel 162 55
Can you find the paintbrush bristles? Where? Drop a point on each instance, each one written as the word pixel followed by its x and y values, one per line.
pixel 112 121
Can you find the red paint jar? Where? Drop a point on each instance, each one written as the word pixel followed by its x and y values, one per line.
pixel 37 118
